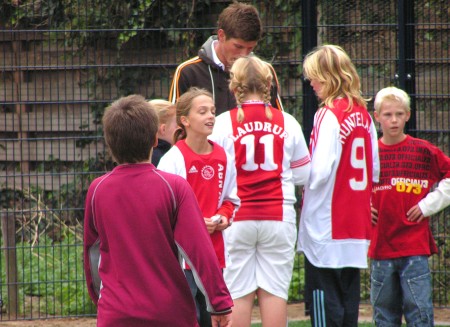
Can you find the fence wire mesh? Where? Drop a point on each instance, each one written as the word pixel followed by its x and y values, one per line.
pixel 63 62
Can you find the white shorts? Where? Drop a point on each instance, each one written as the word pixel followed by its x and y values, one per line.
pixel 262 256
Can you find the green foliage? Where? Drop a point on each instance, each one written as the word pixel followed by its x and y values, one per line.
pixel 51 278
pixel 298 280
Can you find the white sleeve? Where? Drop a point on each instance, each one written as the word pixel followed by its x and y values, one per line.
pixel 300 162
pixel 375 156
pixel 173 162
pixel 437 200
pixel 229 192
pixel 221 132
pixel 325 151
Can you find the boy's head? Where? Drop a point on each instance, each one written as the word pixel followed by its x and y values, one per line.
pixel 130 125
pixel 392 111
pixel 239 29
pixel 240 21
pixel 392 93
pixel 167 118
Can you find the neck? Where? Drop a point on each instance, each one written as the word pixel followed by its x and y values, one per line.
pixel 220 56
pixel 253 97
pixel 199 144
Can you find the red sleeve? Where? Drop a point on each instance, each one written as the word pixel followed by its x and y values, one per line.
pixel 227 209
pixel 90 238
pixel 443 162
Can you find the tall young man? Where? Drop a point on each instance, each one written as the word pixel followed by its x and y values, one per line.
pixel 239 29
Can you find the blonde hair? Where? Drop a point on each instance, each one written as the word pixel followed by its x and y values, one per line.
pixel 184 105
pixel 393 94
pixel 164 109
pixel 251 75
pixel 331 66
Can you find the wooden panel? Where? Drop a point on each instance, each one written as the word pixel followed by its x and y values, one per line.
pixel 433 120
pixel 47 182
pixel 42 150
pixel 54 87
pixel 63 118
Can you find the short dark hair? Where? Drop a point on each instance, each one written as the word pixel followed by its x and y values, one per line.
pixel 130 125
pixel 240 21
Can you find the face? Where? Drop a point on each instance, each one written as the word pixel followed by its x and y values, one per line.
pixel 167 130
pixel 201 117
pixel 392 118
pixel 229 50
pixel 317 87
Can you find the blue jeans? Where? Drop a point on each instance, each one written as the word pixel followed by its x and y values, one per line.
pixel 402 286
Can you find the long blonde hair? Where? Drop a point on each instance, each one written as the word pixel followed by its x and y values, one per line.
pixel 251 75
pixel 331 66
pixel 184 105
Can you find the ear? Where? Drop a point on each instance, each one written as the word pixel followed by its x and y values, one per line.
pixel 162 129
pixel 155 144
pixel 221 36
pixel 408 115
pixel 185 121
pixel 376 116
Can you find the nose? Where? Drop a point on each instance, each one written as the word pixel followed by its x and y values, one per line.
pixel 243 53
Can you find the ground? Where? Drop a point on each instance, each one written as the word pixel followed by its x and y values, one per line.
pixel 295 312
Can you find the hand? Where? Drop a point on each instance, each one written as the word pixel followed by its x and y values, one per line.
pixel 415 214
pixel 210 225
pixel 374 215
pixel 221 321
pixel 223 223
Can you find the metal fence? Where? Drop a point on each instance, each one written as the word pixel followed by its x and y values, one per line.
pixel 63 62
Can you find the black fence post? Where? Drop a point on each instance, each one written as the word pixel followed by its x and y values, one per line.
pixel 309 41
pixel 407 58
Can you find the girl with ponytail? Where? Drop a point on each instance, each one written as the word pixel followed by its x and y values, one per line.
pixel 271 157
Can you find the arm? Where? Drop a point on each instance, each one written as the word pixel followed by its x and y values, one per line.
pixel 229 201
pixel 440 198
pixel 180 84
pixel 194 244
pixel 275 100
pixel 173 162
pixel 374 214
pixel 433 203
pixel 301 161
pixel 325 144
pixel 91 238
pixel 221 321
pixel 375 156
pixel 226 213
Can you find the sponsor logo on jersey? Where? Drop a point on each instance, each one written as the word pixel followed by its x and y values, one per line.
pixel 193 170
pixel 207 172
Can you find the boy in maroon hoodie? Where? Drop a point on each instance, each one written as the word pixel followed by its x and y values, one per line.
pixel 143 221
